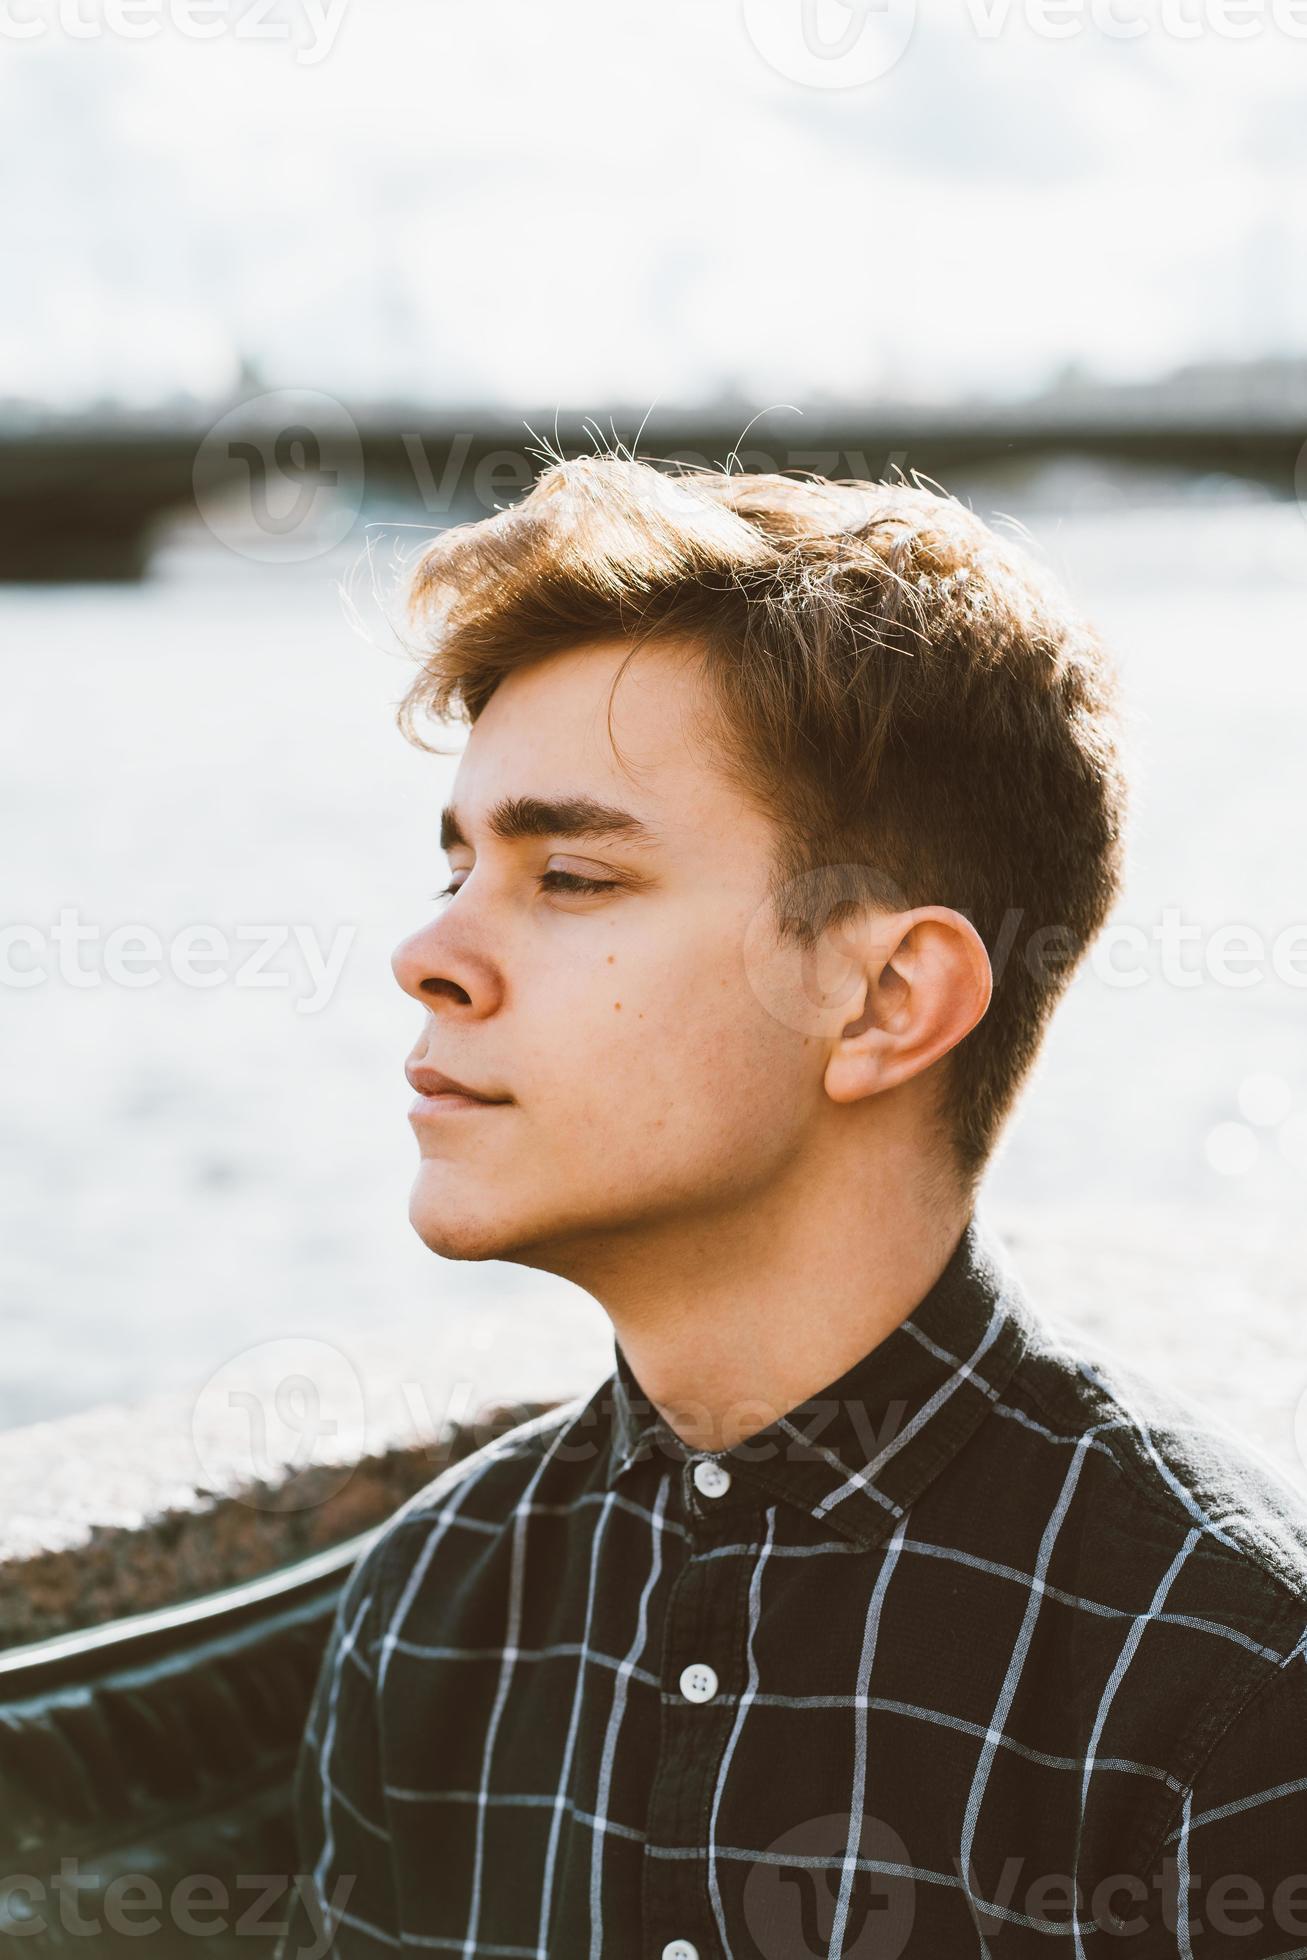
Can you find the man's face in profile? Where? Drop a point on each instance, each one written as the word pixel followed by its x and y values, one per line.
pixel 640 1079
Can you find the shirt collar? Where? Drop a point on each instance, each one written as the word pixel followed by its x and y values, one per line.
pixel 857 1453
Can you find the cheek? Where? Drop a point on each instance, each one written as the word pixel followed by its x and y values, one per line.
pixel 686 1050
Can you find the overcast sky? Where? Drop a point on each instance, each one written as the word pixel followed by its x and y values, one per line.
pixel 593 204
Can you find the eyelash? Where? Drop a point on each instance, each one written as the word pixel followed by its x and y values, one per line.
pixel 570 881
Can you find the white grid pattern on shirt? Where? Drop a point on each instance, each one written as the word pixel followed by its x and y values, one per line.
pixel 515 1604
pixel 618 1710
pixel 858 1702
pixel 441 1512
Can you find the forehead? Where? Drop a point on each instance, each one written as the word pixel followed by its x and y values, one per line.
pixel 559 726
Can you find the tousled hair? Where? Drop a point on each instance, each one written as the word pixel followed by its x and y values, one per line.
pixel 906 695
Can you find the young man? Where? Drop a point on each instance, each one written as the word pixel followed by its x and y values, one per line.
pixel 856 1612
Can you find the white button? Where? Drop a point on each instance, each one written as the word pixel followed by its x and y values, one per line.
pixel 680 1950
pixel 698 1682
pixel 711 1478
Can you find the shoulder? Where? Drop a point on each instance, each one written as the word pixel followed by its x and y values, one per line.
pixel 1172 1557
pixel 1191 1541
pixel 1154 1463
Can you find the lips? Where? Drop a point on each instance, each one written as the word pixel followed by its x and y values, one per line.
pixel 434 1082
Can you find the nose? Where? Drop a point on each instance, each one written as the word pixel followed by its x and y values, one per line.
pixel 436 966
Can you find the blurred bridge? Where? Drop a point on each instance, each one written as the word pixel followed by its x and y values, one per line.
pixel 83 501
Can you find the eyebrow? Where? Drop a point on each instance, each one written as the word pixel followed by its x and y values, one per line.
pixel 515 817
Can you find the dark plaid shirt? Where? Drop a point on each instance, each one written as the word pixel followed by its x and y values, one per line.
pixel 986 1649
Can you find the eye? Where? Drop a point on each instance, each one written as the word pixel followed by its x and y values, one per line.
pixel 572 881
pixel 557 881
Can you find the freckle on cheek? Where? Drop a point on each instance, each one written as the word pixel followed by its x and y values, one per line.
pixel 617 1003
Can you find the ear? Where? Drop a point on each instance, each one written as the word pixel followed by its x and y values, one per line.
pixel 925 981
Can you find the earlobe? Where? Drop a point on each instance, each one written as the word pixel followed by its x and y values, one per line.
pixel 856 1068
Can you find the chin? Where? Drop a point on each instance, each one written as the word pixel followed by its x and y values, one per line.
pixel 462 1226
pixel 448 1224
pixel 453 1237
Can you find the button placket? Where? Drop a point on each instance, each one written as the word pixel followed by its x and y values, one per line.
pixel 707 1615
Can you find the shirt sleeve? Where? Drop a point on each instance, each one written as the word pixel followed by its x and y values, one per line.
pixel 1237 1859
pixel 343 1901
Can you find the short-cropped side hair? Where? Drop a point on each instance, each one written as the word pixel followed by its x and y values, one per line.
pixel 902 690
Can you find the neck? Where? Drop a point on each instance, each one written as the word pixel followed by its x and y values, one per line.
pixel 730 1321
